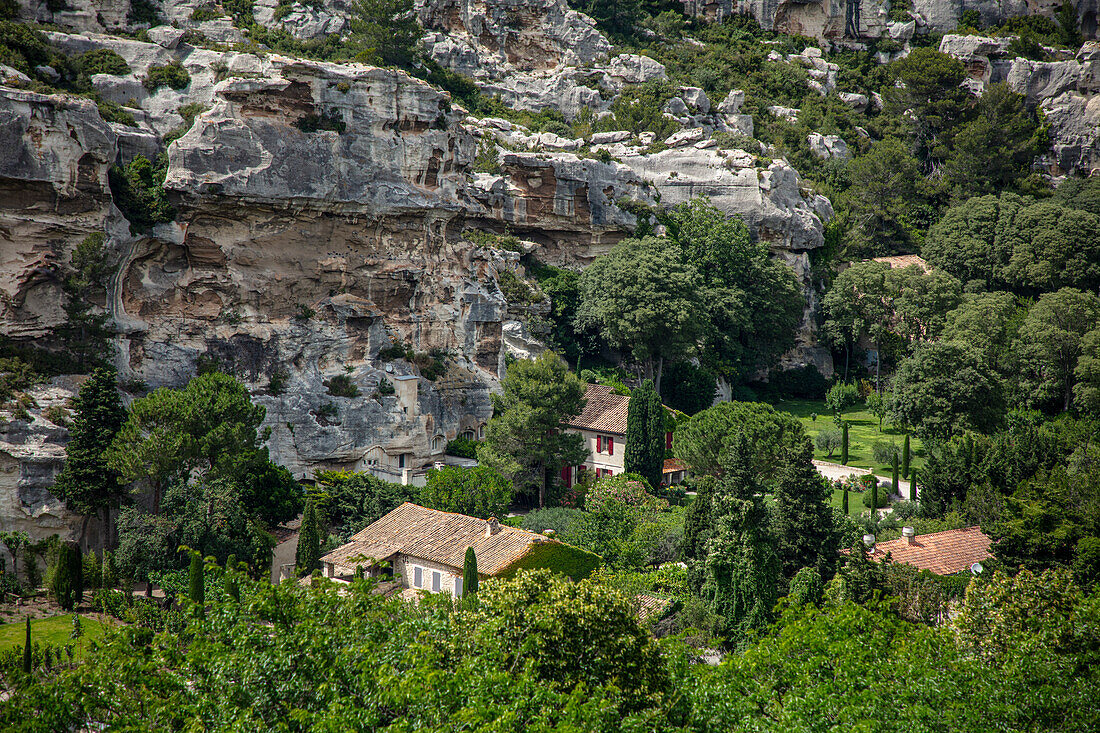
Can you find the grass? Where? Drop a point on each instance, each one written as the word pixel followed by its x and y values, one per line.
pixel 855 502
pixel 54 631
pixel 863 433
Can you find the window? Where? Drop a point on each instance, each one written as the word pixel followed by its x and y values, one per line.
pixel 437 444
pixel 418 577
pixel 401 461
pixel 480 432
pixel 458 587
pixel 437 581
pixel 468 435
pixel 605 444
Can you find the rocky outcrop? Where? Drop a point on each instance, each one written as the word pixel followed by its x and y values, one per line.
pixel 1066 91
pixel 32 452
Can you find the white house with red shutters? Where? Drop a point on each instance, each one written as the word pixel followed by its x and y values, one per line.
pixel 603 425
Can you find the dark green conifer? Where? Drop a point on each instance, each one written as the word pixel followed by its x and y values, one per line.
pixel 27 659
pixel 905 458
pixel 844 501
pixel 196 585
pixel 894 483
pixel 308 554
pixel 913 486
pixel 844 445
pixel 469 573
pixel 645 434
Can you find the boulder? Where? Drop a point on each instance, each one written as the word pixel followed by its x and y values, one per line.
pixel 685 137
pixel 606 138
pixel 696 99
pixel 633 69
pixel 858 102
pixel 731 105
pixel 828 147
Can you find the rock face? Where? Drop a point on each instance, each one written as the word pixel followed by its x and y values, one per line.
pixel 1066 91
pixel 850 21
pixel 320 219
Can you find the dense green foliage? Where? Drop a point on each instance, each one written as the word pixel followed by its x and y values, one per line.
pixel 522 440
pixel 138 189
pixel 477 492
pixel 87 484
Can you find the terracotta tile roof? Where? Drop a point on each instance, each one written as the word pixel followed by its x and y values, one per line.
pixel 647 606
pixel 944 553
pixel 901 261
pixel 605 412
pixel 430 534
pixel 672 465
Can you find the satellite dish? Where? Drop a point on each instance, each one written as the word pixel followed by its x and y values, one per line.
pixel 976 569
pixel 869 540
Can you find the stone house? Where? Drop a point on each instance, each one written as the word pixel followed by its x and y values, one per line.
pixel 421 549
pixel 943 553
pixel 603 425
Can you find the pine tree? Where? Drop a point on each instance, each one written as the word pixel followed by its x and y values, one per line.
pixel 196 585
pixel 469 573
pixel 308 555
pixel 894 483
pixel 27 664
pixel 87 484
pixel 109 577
pixel 905 458
pixel 844 445
pixel 913 486
pixel 645 434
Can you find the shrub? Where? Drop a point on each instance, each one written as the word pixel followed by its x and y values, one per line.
pixel 869 494
pixel 327 410
pixel 204 12
pixel 172 75
pixel 804 383
pixel 432 365
pixel 138 189
pixel 385 387
pixel 341 386
pixel 828 440
pixel 461 447
pixel 111 112
pixel 841 396
pixel 487 159
pixel 884 453
pixel 277 385
pixel 57 414
pixel 102 61
pixel 396 351
pixel 329 120
pixel 516 290
pixel 496 241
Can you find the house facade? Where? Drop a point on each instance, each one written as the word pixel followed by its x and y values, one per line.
pixel 602 423
pixel 421 549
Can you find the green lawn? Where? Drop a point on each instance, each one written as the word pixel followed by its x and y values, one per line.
pixel 862 434
pixel 54 630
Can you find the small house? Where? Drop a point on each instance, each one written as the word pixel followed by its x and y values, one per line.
pixel 425 549
pixel 943 553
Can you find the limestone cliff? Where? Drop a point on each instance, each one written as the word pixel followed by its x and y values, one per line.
pixel 319 219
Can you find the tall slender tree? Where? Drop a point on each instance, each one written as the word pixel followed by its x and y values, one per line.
pixel 196 582
pixel 844 444
pixel 913 486
pixel 645 434
pixel 905 458
pixel 469 573
pixel 894 483
pixel 28 660
pixel 308 555
pixel 87 484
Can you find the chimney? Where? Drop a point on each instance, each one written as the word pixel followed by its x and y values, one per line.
pixel 493 527
pixel 549 533
pixel 909 535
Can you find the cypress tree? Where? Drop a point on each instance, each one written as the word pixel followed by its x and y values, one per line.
pixel 913 486
pixel 231 587
pixel 197 589
pixel 905 457
pixel 844 501
pixel 27 659
pixel 63 583
pixel 308 555
pixel 844 445
pixel 469 573
pixel 894 483
pixel 87 484
pixel 77 559
pixel 874 497
pixel 645 434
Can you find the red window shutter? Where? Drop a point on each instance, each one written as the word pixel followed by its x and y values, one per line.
pixel 610 446
pixel 668 440
pixel 567 476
